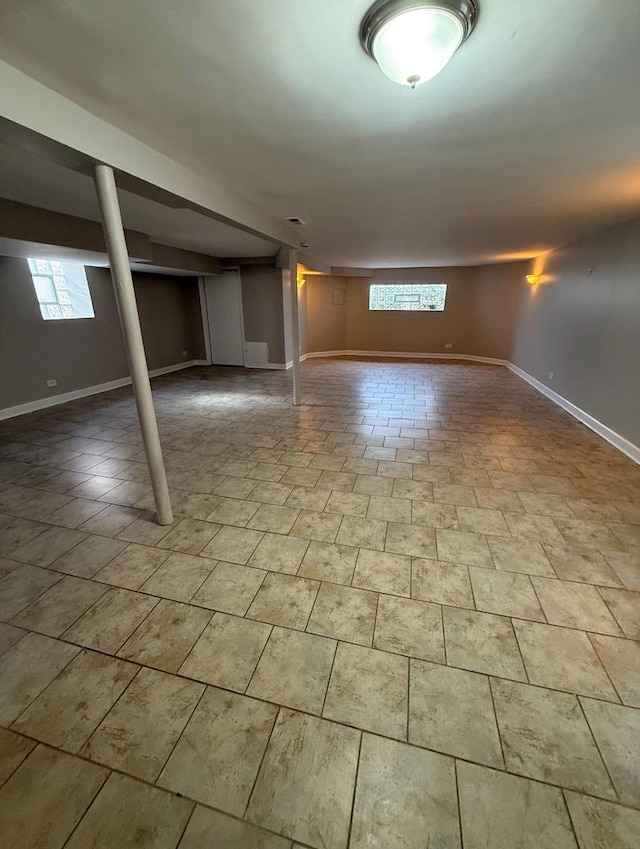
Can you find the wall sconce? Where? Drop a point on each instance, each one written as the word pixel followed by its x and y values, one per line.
pixel 533 278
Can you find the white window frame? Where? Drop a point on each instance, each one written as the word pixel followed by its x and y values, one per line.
pixel 408 297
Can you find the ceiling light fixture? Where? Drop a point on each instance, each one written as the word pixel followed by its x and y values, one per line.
pixel 534 279
pixel 412 41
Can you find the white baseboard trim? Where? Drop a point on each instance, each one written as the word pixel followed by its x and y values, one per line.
pixel 404 355
pixel 620 442
pixel 63 398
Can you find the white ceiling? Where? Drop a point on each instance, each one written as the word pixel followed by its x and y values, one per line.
pixel 527 140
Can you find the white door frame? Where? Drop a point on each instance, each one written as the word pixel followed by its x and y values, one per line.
pixel 206 333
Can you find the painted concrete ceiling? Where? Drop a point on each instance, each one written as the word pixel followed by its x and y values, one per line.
pixel 530 137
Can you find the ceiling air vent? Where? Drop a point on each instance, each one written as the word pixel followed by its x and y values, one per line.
pixel 296 221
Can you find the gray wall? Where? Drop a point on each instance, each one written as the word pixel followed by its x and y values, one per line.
pixel 85 352
pixel 584 326
pixel 494 306
pixel 420 332
pixel 262 308
pixel 478 318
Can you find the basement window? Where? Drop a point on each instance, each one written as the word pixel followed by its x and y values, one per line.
pixel 407 297
pixel 62 289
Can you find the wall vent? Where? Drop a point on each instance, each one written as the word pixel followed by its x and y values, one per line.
pixel 296 221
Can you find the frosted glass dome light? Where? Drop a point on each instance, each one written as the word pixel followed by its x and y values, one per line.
pixel 413 41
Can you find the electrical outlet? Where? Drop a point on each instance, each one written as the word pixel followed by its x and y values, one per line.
pixel 448 345
pixel 51 383
pixel 551 375
pixel 184 353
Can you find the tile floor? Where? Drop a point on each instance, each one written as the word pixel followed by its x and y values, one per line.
pixel 402 615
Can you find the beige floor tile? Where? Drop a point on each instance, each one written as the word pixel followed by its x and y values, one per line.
pixel 233 545
pixel 404 797
pixel 372 484
pixel 13 750
pixel 501 811
pixel 532 527
pixel 189 536
pixel 443 583
pixel 409 627
pixel 72 706
pixel 75 513
pixel 562 659
pixel 523 556
pixel 322 527
pixel 271 517
pixel 455 494
pixel 365 533
pixel 208 828
pixel 621 659
pixel 575 606
pixel 41 505
pixel 26 669
pixel 132 567
pixel 603 825
pixel 308 499
pixel 219 753
pixel 482 642
pixel 7 566
pixel 59 607
pixel 111 620
pixel 421 491
pixel 587 566
pixel 268 492
pixel 278 553
pixel 235 487
pixel 342 481
pixel 368 689
pixel 63 786
pixel 382 572
pixel 227 652
pixel 47 547
pixel 345 613
pixel 230 588
pixel 616 729
pixel 327 562
pixel 305 785
pixel 22 586
pixel 389 509
pixel 294 670
pixel 413 540
pixel 297 476
pixel 18 532
pixel 546 504
pixel 626 565
pixel 580 532
pixel 125 808
pixel 139 732
pixel 625 606
pixel 347 504
pixel 465 548
pixel 284 600
pixel 179 577
pixel 166 636
pixel 434 515
pixel 89 556
pixel 498 499
pixel 9 636
pixel 480 520
pixel 145 530
pixel 451 711
pixel 506 593
pixel 110 521
pixel 545 736
pixel 233 511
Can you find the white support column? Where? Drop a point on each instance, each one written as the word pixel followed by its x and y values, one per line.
pixel 295 328
pixel 130 321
